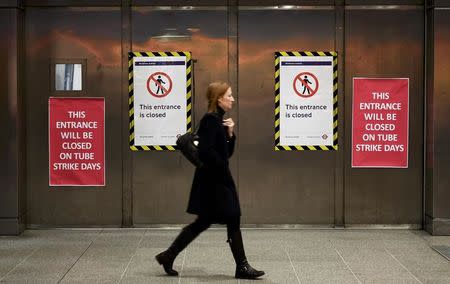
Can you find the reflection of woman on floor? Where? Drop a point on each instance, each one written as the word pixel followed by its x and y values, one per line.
pixel 213 195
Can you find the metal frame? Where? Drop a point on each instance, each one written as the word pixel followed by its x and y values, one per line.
pixel 286 4
pixel 186 4
pixel 433 222
pixel 285 8
pixel 13 218
pixel 339 47
pixel 384 7
pixel 384 2
pixel 58 93
pixel 11 4
pixel 439 3
pixel 180 3
pixel 233 70
pixel 180 8
pixel 127 157
pixel 70 3
pixel 428 47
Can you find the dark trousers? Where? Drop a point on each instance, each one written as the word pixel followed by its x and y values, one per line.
pixel 203 223
pixel 191 231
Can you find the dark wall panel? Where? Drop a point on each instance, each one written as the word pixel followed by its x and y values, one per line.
pixel 279 186
pixel 441 121
pixel 386 43
pixel 8 114
pixel 93 34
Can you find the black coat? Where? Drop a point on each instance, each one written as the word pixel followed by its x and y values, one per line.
pixel 213 192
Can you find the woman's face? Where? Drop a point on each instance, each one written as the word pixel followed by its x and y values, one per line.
pixel 226 101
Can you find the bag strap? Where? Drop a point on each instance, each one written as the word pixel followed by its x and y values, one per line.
pixel 196 128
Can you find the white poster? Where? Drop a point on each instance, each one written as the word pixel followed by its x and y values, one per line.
pixel 306 100
pixel 159 99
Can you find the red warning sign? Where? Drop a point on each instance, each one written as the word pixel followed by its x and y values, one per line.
pixel 159 84
pixel 380 125
pixel 76 141
pixel 306 84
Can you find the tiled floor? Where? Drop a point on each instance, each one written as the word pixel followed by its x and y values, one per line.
pixel 287 256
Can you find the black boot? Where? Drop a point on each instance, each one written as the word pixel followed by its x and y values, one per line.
pixel 167 257
pixel 243 268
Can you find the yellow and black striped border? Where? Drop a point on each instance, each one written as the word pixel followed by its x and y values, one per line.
pixel 131 55
pixel 277 101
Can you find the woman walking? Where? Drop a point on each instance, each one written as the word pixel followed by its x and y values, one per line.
pixel 213 195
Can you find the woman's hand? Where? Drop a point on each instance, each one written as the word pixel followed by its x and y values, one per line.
pixel 229 123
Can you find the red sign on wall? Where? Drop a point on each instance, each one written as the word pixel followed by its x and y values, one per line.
pixel 76 141
pixel 380 123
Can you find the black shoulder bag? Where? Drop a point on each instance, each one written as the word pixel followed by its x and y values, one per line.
pixel 188 145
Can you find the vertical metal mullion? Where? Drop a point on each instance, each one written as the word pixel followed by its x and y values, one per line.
pixel 428 77
pixel 22 138
pixel 127 157
pixel 233 67
pixel 233 53
pixel 339 185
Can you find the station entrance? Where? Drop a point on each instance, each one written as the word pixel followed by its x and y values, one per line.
pixel 233 43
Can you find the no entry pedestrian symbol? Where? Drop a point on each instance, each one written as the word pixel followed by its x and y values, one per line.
pixel 306 84
pixel 159 84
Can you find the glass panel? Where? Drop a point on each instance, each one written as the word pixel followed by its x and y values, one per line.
pixel 68 77
pixel 300 185
pixel 90 37
pixel 156 198
pixel 375 44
